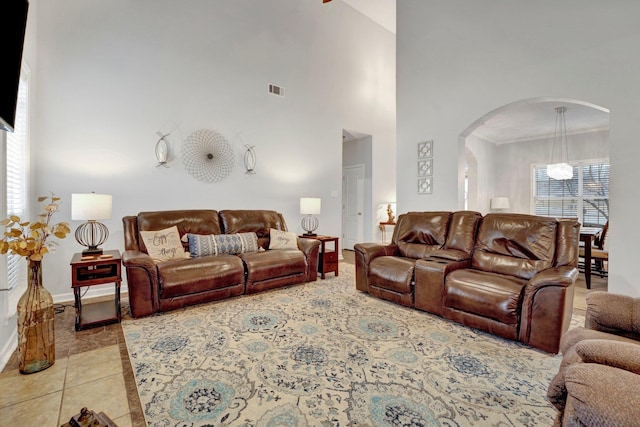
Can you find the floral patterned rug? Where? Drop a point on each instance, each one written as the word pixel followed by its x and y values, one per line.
pixel 323 354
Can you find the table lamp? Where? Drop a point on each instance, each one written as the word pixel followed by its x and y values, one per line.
pixel 499 203
pixel 310 206
pixel 91 207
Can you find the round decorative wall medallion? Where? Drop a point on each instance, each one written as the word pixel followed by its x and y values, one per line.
pixel 207 156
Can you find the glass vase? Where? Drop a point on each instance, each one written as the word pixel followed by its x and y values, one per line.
pixel 36 343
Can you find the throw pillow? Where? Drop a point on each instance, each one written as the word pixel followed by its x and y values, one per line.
pixel 164 245
pixel 216 244
pixel 282 239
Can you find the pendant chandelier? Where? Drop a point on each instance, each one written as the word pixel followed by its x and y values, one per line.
pixel 560 168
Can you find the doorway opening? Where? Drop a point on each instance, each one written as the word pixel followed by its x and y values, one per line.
pixel 356 188
pixel 505 148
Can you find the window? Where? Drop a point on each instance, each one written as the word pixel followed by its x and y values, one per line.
pixel 15 186
pixel 585 196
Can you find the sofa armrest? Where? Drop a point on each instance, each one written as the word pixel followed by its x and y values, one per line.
pixel 135 258
pixel 364 254
pixel 310 248
pixel 547 305
pixel 556 276
pixel 370 251
pixel 621 355
pixel 613 313
pixel 142 283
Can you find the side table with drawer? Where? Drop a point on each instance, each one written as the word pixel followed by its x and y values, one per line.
pixel 328 257
pixel 92 270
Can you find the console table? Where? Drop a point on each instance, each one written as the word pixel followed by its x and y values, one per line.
pixel 383 229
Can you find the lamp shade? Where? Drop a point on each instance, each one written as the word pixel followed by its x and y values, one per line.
pixel 310 205
pixel 500 203
pixel 90 206
pixel 560 171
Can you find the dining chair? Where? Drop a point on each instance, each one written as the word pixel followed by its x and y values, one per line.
pixel 599 255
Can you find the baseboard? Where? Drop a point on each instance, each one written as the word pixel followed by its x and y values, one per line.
pixel 8 349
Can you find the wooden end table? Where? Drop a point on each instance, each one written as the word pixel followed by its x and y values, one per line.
pixel 92 270
pixel 327 259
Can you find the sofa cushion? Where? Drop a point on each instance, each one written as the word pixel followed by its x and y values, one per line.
pixel 216 244
pixel 183 277
pixel 392 273
pixel 258 221
pixel 271 264
pixel 494 296
pixel 418 234
pixel 462 233
pixel 163 245
pixel 515 244
pixel 187 221
pixel 282 239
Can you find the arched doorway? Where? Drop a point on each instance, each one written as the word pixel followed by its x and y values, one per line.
pixel 508 142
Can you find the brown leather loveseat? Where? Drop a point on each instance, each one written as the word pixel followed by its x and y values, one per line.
pixel 509 274
pixel 170 284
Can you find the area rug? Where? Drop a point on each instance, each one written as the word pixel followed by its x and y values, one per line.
pixel 325 354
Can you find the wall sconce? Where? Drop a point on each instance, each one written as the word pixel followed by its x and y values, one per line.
pixel 250 159
pixel 162 149
pixel 91 208
pixel 498 203
pixel 310 206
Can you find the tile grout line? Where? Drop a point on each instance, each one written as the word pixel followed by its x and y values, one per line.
pixel 64 387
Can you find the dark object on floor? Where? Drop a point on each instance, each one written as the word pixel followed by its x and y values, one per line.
pixel 88 418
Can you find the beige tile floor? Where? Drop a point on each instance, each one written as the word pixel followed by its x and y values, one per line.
pixel 92 370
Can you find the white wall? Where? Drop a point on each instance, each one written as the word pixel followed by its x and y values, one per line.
pixel 458 60
pixel 112 73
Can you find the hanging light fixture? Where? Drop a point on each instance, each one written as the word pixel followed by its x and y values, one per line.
pixel 560 168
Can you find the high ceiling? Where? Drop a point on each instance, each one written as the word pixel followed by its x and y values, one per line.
pixel 518 122
pixel 381 11
pixel 536 120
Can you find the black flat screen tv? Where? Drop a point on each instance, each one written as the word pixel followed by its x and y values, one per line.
pixel 12 29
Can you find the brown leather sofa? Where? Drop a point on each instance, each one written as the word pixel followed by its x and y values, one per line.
pixel 509 274
pixel 172 284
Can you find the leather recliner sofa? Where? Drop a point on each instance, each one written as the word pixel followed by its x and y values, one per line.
pixel 508 274
pixel 172 284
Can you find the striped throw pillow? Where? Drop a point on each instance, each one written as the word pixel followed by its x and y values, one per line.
pixel 216 244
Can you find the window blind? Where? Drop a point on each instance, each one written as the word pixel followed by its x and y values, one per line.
pixel 585 196
pixel 15 179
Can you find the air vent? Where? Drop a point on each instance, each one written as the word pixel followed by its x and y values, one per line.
pixel 276 90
